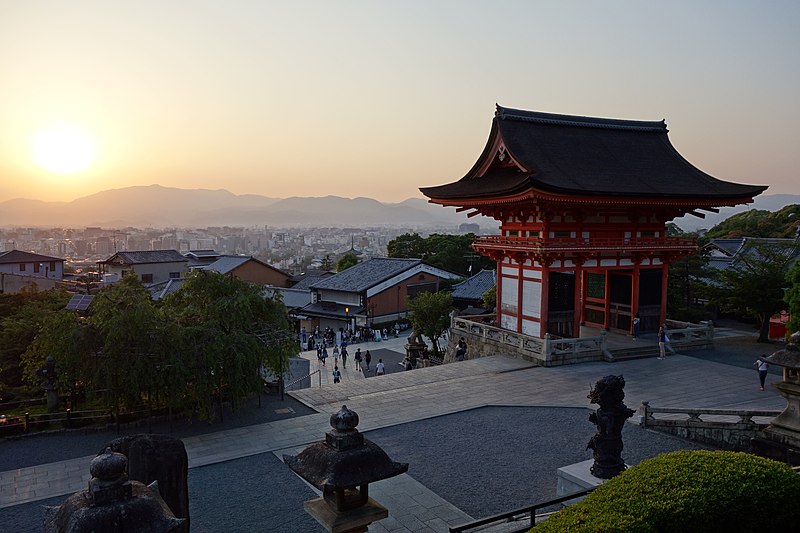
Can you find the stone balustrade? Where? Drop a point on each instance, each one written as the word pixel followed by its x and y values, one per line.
pixel 729 429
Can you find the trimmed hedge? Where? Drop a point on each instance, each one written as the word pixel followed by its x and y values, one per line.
pixel 693 491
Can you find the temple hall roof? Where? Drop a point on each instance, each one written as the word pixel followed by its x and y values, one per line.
pixel 584 156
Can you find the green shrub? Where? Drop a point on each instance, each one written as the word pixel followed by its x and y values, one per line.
pixel 693 491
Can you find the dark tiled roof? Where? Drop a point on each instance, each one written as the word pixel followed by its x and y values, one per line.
pixel 331 309
pixel 306 283
pixel 728 246
pixel 366 274
pixel 292 298
pixel 18 256
pixel 474 287
pixel 572 155
pixel 148 256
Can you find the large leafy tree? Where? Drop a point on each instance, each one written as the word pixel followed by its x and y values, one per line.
pixel 130 345
pixel 430 315
pixel 22 317
pixel 226 331
pixel 687 281
pixel 757 281
pixel 408 245
pixel 759 223
pixel 792 298
pixel 453 253
pixel 347 260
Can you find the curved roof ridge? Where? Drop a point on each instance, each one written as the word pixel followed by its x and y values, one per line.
pixel 505 113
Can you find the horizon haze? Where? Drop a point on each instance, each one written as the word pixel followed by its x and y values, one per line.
pixel 375 99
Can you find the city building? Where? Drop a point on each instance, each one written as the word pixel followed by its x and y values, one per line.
pixel 373 292
pixel 152 266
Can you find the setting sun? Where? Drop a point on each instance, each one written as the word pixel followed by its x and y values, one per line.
pixel 63 149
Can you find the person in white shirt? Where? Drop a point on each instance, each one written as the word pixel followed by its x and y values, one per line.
pixel 380 368
pixel 762 368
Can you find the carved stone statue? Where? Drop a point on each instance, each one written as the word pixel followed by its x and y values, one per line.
pixel 610 418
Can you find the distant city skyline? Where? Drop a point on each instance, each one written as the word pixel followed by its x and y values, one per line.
pixel 375 99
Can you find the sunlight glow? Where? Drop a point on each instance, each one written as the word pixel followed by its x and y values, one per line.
pixel 63 149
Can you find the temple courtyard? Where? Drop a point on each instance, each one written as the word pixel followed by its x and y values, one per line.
pixel 481 436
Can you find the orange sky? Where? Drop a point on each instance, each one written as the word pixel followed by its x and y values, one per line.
pixel 379 98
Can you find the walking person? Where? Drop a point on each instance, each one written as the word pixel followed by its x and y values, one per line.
pixel 357 358
pixel 636 321
pixel 663 339
pixel 367 359
pixel 762 367
pixel 343 353
pixel 337 376
pixel 380 368
pixel 324 355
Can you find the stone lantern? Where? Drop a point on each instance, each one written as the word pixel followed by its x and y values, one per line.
pixel 112 503
pixel 781 439
pixel 343 466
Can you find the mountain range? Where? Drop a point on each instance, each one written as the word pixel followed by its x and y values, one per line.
pixel 162 207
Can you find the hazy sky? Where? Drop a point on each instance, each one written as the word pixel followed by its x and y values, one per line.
pixel 357 98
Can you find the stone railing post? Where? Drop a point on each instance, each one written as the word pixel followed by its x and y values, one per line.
pixel 546 347
pixel 644 413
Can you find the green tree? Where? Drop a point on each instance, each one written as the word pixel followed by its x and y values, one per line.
pixel 70 341
pixel 490 298
pixel 758 223
pixel 226 332
pixel 792 298
pixel 429 315
pixel 757 281
pixel 408 245
pixel 129 347
pixel 24 315
pixel 347 260
pixel 453 253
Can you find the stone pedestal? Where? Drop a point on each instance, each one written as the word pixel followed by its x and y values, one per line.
pixel 353 521
pixel 576 477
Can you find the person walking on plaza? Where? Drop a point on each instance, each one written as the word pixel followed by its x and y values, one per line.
pixel 663 339
pixel 762 367
pixel 357 358
pixel 367 359
pixel 337 376
pixel 380 369
pixel 636 321
pixel 343 353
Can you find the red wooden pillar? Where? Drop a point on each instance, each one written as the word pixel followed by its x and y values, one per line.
pixel 577 314
pixel 634 294
pixel 544 304
pixel 498 303
pixel 664 281
pixel 519 293
pixel 606 297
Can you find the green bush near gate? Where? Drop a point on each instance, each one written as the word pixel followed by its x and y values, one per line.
pixel 698 491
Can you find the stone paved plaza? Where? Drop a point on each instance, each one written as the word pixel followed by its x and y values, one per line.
pixel 400 403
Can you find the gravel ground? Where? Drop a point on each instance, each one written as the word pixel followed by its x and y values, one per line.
pixel 483 461
pixel 34 449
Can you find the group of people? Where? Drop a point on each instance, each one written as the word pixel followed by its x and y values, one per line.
pixel 329 337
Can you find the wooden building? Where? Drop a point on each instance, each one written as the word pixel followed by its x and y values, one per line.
pixel 582 204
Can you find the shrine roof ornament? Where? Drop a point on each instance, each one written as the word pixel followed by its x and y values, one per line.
pixel 535 153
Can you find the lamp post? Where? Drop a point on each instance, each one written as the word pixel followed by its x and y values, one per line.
pixel 347 318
